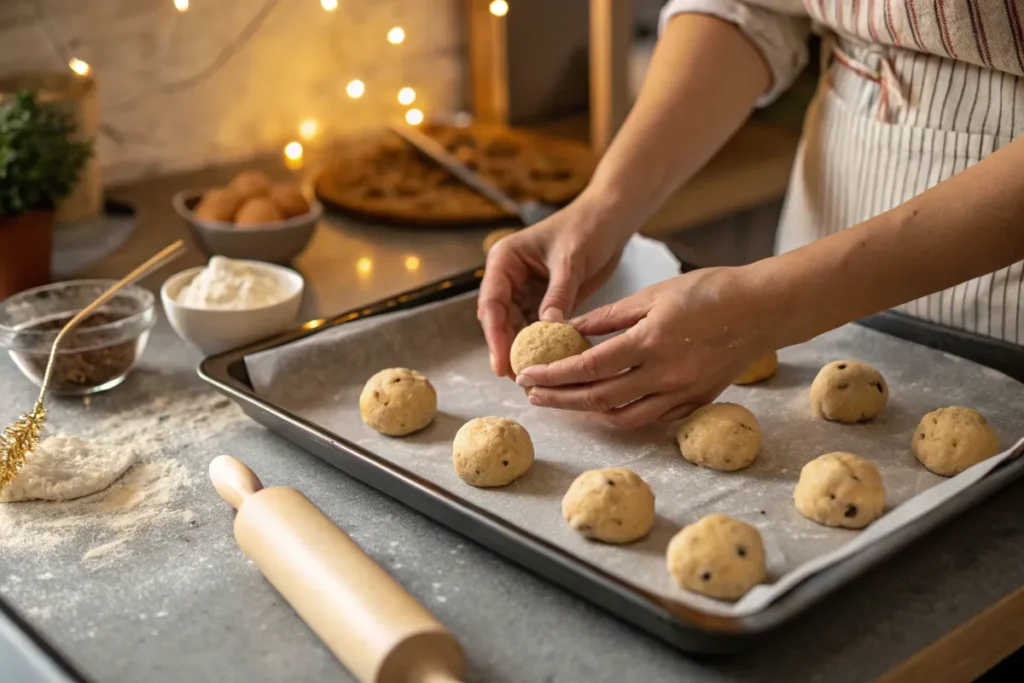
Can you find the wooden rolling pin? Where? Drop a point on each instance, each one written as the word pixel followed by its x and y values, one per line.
pixel 377 630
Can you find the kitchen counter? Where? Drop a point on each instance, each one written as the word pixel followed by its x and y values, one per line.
pixel 173 599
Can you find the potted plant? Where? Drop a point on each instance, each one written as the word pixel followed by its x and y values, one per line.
pixel 40 161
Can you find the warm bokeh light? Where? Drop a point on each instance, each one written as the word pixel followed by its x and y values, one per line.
pixel 293 155
pixel 414 117
pixel 79 67
pixel 181 5
pixel 396 35
pixel 329 5
pixel 499 8
pixel 308 129
pixel 412 262
pixel 355 89
pixel 406 96
pixel 364 266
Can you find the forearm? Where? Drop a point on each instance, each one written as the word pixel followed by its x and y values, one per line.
pixel 962 228
pixel 702 83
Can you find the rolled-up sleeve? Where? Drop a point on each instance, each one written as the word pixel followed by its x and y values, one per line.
pixel 778 28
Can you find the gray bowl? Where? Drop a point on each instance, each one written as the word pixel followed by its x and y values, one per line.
pixel 277 242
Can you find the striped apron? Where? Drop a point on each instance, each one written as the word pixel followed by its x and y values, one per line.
pixel 889 122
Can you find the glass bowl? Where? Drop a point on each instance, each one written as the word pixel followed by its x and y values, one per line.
pixel 95 356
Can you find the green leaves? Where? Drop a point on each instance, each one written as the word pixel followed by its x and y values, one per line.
pixel 39 159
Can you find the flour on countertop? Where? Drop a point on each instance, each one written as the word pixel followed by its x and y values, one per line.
pixel 65 468
pixel 231 285
pixel 149 498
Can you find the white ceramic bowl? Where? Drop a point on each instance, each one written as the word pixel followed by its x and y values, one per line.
pixel 214 331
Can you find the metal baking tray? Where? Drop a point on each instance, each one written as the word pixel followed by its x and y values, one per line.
pixel 688 629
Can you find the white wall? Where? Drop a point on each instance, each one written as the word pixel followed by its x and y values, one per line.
pixel 295 65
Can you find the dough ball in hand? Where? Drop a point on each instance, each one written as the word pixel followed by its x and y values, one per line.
pixel 613 505
pixel 218 204
pixel 496 236
pixel 542 343
pixel 848 391
pixel 251 184
pixel 257 211
pixel 491 451
pixel 840 489
pixel 949 440
pixel 720 436
pixel 761 369
pixel 289 200
pixel 718 556
pixel 397 402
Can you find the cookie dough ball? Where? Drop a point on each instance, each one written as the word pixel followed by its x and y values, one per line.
pixel 542 343
pixel 613 505
pixel 251 184
pixel 397 402
pixel 496 236
pixel 289 200
pixel 720 436
pixel 848 391
pixel 218 204
pixel 761 369
pixel 949 440
pixel 718 556
pixel 840 489
pixel 491 451
pixel 257 211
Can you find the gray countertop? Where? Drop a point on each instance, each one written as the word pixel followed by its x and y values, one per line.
pixel 175 600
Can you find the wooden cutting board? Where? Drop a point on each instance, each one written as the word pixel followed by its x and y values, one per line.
pixel 382 177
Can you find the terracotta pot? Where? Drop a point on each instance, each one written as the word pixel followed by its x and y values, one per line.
pixel 26 246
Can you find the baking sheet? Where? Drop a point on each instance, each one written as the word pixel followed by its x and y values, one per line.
pixel 320 378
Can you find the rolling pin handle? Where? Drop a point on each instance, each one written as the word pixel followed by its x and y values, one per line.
pixel 233 480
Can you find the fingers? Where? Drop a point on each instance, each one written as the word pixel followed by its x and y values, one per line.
pixel 561 295
pixel 613 317
pixel 596 396
pixel 603 361
pixel 678 413
pixel 494 312
pixel 647 410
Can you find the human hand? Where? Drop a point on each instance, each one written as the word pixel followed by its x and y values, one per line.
pixel 685 340
pixel 544 271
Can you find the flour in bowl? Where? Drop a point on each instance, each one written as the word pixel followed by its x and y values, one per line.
pixel 226 284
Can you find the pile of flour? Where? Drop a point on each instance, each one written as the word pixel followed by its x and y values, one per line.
pixel 65 468
pixel 130 462
pixel 231 285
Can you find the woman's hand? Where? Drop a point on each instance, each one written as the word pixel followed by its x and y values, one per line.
pixel 545 270
pixel 686 340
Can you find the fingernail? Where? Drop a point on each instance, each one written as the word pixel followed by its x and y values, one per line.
pixel 553 315
pixel 525 382
pixel 534 400
pixel 494 364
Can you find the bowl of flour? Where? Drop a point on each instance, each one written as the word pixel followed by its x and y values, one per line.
pixel 229 303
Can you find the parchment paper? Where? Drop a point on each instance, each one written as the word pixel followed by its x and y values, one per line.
pixel 320 378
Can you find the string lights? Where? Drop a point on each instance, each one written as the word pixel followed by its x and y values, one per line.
pixel 79 67
pixel 355 89
pixel 414 117
pixel 293 155
pixel 308 129
pixel 396 35
pixel 406 96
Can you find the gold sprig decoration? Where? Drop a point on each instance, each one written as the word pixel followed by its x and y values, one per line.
pixel 18 440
